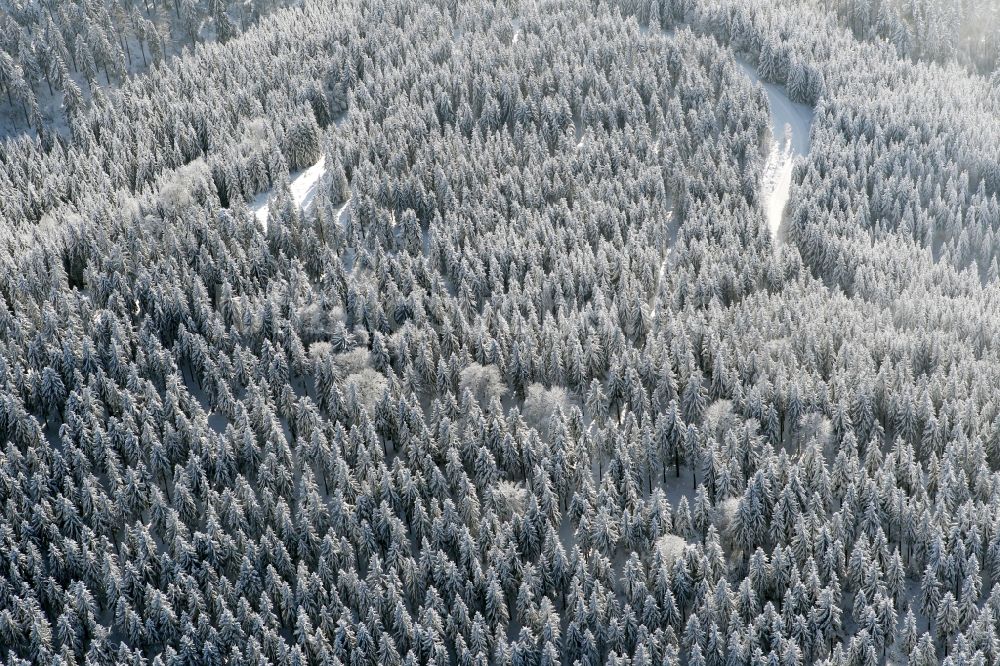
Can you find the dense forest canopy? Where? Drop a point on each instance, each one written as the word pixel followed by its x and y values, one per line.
pixel 54 54
pixel 386 331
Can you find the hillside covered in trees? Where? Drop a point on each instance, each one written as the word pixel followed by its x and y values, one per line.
pixel 54 54
pixel 517 332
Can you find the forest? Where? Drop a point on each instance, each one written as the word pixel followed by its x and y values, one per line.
pixel 515 332
pixel 55 53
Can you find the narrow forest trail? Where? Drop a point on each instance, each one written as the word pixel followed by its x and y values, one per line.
pixel 791 123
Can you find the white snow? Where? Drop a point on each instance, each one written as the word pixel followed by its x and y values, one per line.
pixel 790 126
pixel 777 181
pixel 259 207
pixel 343 213
pixel 303 188
pixel 304 185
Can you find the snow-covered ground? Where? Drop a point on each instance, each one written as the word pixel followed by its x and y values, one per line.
pixel 790 126
pixel 777 182
pixel 343 213
pixel 303 187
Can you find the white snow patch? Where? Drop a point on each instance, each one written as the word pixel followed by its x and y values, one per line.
pixel 343 213
pixel 304 185
pixel 777 182
pixel 784 112
pixel 303 188
pixel 259 207
pixel 790 126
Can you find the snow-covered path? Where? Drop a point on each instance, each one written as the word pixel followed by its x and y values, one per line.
pixel 303 188
pixel 790 126
pixel 777 182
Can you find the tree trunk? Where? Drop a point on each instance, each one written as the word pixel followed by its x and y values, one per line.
pixel 166 485
pixel 128 51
